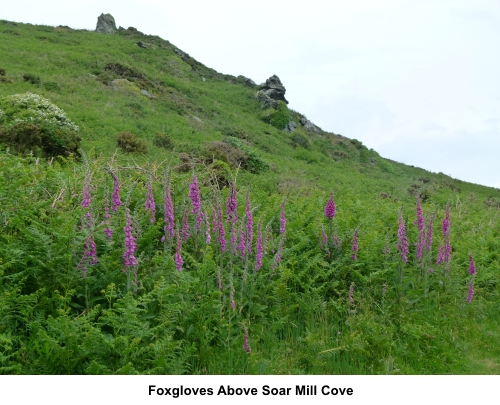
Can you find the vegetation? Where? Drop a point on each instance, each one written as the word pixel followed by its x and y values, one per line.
pixel 220 248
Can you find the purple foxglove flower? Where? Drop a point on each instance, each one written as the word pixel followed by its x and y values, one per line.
pixel 323 242
pixel 421 230
pixel 402 245
pixel 354 246
pixel 246 343
pixel 178 258
pixel 471 292
pixel 149 205
pixel 330 208
pixel 429 233
pixel 472 266
pixel 336 241
pixel 242 245
pixel 232 205
pixel 249 219
pixel 282 218
pixel 444 255
pixel 129 259
pixel 194 195
pixel 208 237
pixel 169 213
pixel 220 227
pixel 259 249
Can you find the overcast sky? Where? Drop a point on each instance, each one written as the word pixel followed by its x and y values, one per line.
pixel 416 80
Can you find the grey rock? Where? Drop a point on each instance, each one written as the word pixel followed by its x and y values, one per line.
pixel 274 88
pixel 196 119
pixel 265 101
pixel 308 125
pixel 147 93
pixel 249 82
pixel 143 45
pixel 105 24
pixel 290 127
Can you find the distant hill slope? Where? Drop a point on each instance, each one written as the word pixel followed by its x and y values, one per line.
pixel 144 85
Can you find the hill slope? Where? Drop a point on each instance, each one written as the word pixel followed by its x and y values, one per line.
pixel 74 301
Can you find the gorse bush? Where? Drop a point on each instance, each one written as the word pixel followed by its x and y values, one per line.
pixel 280 117
pixel 163 141
pixel 129 142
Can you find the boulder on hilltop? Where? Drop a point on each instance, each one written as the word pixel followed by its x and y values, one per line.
pixel 105 24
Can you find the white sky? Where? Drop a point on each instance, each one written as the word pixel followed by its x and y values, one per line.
pixel 416 80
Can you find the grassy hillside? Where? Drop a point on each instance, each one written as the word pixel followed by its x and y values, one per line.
pixel 327 296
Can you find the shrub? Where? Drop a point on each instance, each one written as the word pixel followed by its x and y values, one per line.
pixel 280 116
pixel 2 72
pixel 42 140
pixel 22 137
pixel 28 77
pixel 163 141
pixel 131 143
pixel 224 152
pixel 253 162
pixel 33 108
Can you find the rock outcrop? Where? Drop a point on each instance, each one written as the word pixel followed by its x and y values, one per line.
pixel 271 92
pixel 105 24
pixel 249 82
pixel 290 127
pixel 309 125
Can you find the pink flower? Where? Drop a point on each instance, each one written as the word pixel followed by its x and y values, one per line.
pixel 259 249
pixel 429 233
pixel 354 245
pixel 323 242
pixel 208 237
pixel 242 245
pixel 444 255
pixel 471 292
pixel 149 205
pixel 194 195
pixel 330 208
pixel 249 225
pixel 169 212
pixel 277 260
pixel 402 245
pixel 232 205
pixel 282 218
pixel 421 230
pixel 129 259
pixel 472 266
pixel 246 343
